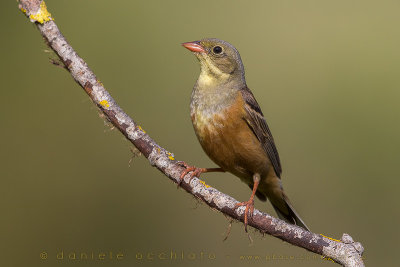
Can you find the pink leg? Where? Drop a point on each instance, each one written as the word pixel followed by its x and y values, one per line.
pixel 195 172
pixel 248 212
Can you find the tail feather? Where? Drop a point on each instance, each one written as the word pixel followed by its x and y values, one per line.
pixel 290 215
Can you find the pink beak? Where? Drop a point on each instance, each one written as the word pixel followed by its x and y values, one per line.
pixel 194 46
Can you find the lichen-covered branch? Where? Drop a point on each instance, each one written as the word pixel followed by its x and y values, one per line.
pixel 345 252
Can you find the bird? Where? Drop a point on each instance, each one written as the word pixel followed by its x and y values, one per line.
pixel 232 130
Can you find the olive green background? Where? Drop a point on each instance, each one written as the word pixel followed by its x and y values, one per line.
pixel 326 74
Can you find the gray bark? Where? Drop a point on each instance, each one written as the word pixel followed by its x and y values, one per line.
pixel 345 252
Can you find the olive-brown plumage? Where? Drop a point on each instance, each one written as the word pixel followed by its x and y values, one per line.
pixel 231 128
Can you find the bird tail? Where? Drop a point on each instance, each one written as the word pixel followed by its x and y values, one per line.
pixel 287 213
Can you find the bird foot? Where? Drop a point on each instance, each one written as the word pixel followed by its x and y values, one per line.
pixel 248 212
pixel 195 172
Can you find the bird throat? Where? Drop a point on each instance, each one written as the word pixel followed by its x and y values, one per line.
pixel 212 93
pixel 214 90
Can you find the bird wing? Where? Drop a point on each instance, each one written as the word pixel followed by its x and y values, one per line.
pixel 258 125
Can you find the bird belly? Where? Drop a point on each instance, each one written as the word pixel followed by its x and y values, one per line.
pixel 229 142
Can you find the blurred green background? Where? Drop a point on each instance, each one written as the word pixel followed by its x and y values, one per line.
pixel 326 74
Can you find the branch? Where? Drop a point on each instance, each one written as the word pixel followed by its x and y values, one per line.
pixel 345 252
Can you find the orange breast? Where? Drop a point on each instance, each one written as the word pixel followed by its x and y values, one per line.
pixel 230 143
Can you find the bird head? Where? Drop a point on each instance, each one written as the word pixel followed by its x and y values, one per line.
pixel 219 60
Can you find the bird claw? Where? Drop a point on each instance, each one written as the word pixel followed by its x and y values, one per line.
pixel 194 171
pixel 248 212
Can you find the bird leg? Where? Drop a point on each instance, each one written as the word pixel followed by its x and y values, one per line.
pixel 248 212
pixel 195 171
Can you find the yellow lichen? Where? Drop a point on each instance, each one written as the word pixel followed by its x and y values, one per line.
pixel 23 10
pixel 330 238
pixel 140 128
pixel 42 15
pixel 204 183
pixel 327 258
pixel 170 156
pixel 104 103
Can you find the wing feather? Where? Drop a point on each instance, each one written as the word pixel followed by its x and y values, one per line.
pixel 258 125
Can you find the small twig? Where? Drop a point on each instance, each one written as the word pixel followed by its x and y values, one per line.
pixel 57 63
pixel 228 230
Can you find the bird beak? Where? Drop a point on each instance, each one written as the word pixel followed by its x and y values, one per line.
pixel 194 46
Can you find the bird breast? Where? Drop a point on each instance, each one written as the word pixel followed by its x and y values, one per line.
pixel 226 138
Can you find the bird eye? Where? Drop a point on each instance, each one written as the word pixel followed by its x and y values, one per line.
pixel 217 49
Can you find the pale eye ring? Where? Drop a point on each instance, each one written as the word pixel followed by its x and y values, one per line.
pixel 217 49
